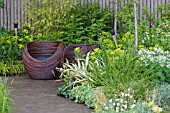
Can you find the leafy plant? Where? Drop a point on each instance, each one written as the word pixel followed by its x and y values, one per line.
pixel 6 103
pixel 75 74
pixel 84 24
pixel 160 58
pixel 64 90
pixel 121 102
pixel 165 10
pixel 162 98
pixel 11 51
pixel 84 94
pixel 44 14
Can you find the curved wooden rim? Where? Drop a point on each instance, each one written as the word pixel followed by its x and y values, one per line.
pixel 45 60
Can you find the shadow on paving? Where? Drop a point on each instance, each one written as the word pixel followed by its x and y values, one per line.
pixel 39 96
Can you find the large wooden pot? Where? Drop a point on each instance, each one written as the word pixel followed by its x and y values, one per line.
pixel 84 49
pixel 40 58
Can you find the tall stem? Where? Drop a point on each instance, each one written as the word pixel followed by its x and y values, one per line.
pixel 136 28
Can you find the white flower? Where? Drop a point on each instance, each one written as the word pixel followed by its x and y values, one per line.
pixel 132 106
pixel 125 106
pixel 126 102
pixel 117 99
pixel 110 100
pixel 121 100
pixel 118 104
pixel 129 89
pixel 126 95
pixel 117 109
pixel 131 96
pixel 114 104
pixel 122 94
pixel 122 109
pixel 106 108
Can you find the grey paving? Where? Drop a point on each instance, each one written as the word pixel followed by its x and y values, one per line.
pixel 39 96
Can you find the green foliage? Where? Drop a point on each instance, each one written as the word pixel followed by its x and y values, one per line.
pixel 152 32
pixel 83 94
pixel 6 103
pixel 159 58
pixel 163 96
pixel 75 74
pixel 116 74
pixel 84 24
pixel 44 14
pixel 11 51
pixel 2 5
pixel 165 10
pixel 121 102
pixel 64 90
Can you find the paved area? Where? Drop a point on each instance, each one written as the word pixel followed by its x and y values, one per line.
pixel 39 96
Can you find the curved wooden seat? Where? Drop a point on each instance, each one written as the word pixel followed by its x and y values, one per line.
pixel 40 58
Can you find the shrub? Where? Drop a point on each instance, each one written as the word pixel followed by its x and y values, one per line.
pixel 162 98
pixel 159 58
pixel 43 15
pixel 11 51
pixel 6 103
pixel 84 24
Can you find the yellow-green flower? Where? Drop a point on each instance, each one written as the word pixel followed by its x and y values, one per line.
pixel 39 34
pixel 27 37
pixel 15 37
pixel 141 47
pixel 120 45
pixel 151 48
pixel 110 45
pixel 105 33
pixel 77 50
pixel 21 39
pixel 128 34
pixel 92 57
pixel 107 41
pixel 118 51
pixel 8 41
pixel 124 39
pixel 97 51
pixel 21 46
pixel 25 31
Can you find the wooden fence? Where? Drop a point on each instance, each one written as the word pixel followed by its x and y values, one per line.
pixel 13 11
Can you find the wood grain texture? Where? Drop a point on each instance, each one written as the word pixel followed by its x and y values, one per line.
pixel 40 58
pixel 14 10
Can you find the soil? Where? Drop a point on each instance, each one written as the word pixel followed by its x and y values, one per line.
pixel 40 96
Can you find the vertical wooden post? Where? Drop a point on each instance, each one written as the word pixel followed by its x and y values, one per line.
pixel 136 28
pixel 115 20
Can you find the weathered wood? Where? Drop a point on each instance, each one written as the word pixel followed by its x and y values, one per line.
pixel 13 11
pixel 40 58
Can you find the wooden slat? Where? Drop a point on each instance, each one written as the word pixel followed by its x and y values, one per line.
pixel 13 12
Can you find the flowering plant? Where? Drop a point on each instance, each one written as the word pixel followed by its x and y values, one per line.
pixel 121 102
pixel 159 58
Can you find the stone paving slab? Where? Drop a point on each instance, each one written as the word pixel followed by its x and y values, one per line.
pixel 39 96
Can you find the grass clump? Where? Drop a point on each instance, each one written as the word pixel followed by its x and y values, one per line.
pixel 6 103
